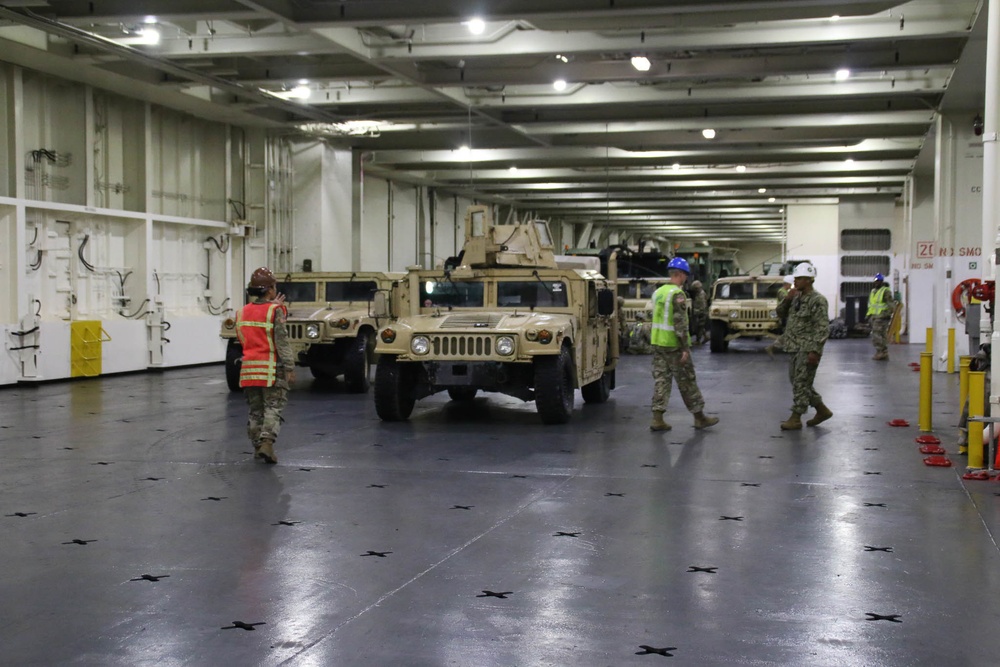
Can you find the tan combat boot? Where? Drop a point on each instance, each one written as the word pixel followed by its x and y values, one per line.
pixel 793 423
pixel 701 421
pixel 881 356
pixel 658 424
pixel 822 414
pixel 266 451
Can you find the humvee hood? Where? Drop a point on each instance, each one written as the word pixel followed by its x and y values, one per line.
pixel 334 312
pixel 488 321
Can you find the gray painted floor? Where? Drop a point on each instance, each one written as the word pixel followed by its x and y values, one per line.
pixel 374 544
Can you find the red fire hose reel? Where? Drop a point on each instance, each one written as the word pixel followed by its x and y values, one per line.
pixel 973 288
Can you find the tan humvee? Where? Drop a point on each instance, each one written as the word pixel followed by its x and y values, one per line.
pixel 507 317
pixel 636 312
pixel 744 306
pixel 330 325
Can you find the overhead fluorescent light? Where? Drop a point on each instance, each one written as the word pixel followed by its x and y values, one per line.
pixel 559 84
pixel 641 63
pixel 476 26
pixel 843 74
pixel 708 133
pixel 761 190
pixel 741 168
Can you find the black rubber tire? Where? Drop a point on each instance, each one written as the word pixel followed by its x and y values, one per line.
pixel 357 365
pixel 598 391
pixel 462 394
pixel 554 387
pixel 393 390
pixel 718 341
pixel 320 373
pixel 234 355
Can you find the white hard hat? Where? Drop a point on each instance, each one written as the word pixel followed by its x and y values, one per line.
pixel 789 279
pixel 804 270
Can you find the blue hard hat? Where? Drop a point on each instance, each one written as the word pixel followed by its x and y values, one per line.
pixel 679 263
pixel 878 277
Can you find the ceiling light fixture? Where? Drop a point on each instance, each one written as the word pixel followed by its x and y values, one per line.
pixel 559 84
pixel 843 74
pixel 301 92
pixel 761 190
pixel 641 63
pixel 561 57
pixel 677 166
pixel 476 26
pixel 708 133
pixel 741 168
pixel 512 169
pixel 849 160
pixel 770 200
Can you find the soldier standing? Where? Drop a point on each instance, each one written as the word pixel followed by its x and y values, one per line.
pixel 267 367
pixel 671 344
pixel 806 331
pixel 880 308
pixel 699 313
pixel 782 293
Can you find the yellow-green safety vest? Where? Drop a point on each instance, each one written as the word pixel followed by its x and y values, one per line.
pixel 663 333
pixel 876 302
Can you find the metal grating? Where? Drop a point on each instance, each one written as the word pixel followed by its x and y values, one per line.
pixel 850 288
pixel 462 346
pixel 865 239
pixel 855 266
pixel 758 314
pixel 296 331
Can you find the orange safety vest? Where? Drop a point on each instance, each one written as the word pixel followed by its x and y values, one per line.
pixel 255 329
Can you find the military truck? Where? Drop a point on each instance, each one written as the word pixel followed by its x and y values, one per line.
pixel 743 306
pixel 504 316
pixel 330 325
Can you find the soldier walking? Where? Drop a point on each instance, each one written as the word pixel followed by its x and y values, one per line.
pixel 806 331
pixel 671 342
pixel 699 314
pixel 880 308
pixel 268 366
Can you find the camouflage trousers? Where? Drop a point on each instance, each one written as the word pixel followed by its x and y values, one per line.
pixel 266 404
pixel 699 324
pixel 666 367
pixel 880 334
pixel 802 376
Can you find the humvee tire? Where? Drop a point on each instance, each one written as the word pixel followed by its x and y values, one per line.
pixel 597 391
pixel 463 394
pixel 554 387
pixel 234 355
pixel 718 342
pixel 393 390
pixel 357 364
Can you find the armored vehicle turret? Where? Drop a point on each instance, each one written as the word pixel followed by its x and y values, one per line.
pixel 507 315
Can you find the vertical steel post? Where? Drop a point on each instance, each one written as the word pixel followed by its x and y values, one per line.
pixel 929 344
pixel 951 350
pixel 926 390
pixel 977 400
pixel 963 394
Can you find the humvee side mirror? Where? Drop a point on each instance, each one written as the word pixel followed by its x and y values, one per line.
pixel 606 302
pixel 380 304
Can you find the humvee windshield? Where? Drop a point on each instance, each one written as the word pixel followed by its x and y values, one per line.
pixel 771 290
pixel 734 290
pixel 298 291
pixel 357 290
pixel 455 294
pixel 532 294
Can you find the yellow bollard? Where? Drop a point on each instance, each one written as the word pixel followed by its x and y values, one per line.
pixel 926 391
pixel 929 343
pixel 963 394
pixel 951 350
pixel 977 389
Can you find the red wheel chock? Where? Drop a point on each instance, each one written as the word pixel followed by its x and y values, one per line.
pixel 932 449
pixel 977 474
pixel 942 461
pixel 927 440
pixel 898 422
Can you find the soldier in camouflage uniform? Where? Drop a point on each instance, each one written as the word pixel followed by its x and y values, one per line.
pixel 880 308
pixel 671 343
pixel 268 365
pixel 699 314
pixel 639 333
pixel 782 293
pixel 806 331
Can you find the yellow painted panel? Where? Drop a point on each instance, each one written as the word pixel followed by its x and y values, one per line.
pixel 85 348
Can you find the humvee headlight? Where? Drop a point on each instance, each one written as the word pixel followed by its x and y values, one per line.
pixel 387 335
pixel 773 314
pixel 505 346
pixel 734 314
pixel 544 336
pixel 420 345
pixel 229 323
pixel 312 331
pixel 342 323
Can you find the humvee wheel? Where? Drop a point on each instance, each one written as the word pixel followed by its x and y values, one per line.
pixel 718 342
pixel 597 391
pixel 357 365
pixel 393 390
pixel 554 387
pixel 234 355
pixel 463 394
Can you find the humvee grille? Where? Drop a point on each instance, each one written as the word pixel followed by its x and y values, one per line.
pixel 462 346
pixel 296 331
pixel 632 314
pixel 762 314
